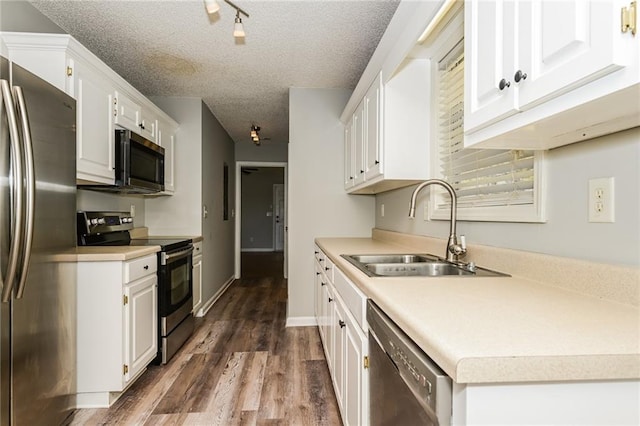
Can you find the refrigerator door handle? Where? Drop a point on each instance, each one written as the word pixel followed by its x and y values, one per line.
pixel 29 188
pixel 16 193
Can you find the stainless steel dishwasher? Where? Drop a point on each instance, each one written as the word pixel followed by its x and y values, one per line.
pixel 406 386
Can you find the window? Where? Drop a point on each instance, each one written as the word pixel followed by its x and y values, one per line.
pixel 491 184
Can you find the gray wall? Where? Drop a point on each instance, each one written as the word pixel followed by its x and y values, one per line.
pixel 567 231
pixel 102 201
pixel 257 201
pixel 318 203
pixel 202 147
pixel 267 151
pixel 219 234
pixel 22 16
pixel 180 214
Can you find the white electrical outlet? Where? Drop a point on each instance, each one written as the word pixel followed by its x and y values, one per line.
pixel 381 210
pixel 601 200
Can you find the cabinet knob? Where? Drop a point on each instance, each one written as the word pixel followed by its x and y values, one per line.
pixel 377 162
pixel 326 268
pixel 520 76
pixel 317 273
pixel 350 177
pixel 361 171
pixel 330 300
pixel 341 323
pixel 146 266
pixel 322 283
pixel 503 84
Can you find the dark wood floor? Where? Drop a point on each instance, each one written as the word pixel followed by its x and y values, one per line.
pixel 241 367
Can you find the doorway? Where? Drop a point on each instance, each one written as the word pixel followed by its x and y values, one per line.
pixel 261 211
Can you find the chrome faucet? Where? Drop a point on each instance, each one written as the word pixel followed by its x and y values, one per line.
pixel 454 250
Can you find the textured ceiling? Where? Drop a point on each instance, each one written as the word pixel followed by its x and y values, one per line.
pixel 173 48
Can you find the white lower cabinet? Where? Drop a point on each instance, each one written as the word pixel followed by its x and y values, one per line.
pixel 117 327
pixel 344 338
pixel 197 279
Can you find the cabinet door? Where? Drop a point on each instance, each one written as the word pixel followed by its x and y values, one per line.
pixel 489 49
pixel 359 143
pixel 339 337
pixel 356 391
pixel 94 127
pixel 197 283
pixel 148 126
pixel 327 313
pixel 317 284
pixel 564 45
pixel 127 113
pixel 373 131
pixel 166 138
pixel 140 325
pixel 348 155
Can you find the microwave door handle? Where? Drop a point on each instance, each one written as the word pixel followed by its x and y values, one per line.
pixel 126 160
pixel 29 188
pixel 16 193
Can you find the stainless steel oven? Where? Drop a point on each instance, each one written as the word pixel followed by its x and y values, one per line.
pixel 175 276
pixel 406 386
pixel 175 302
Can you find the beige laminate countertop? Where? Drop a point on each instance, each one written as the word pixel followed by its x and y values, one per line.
pixel 113 253
pixel 501 329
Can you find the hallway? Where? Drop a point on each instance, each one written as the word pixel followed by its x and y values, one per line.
pixel 241 367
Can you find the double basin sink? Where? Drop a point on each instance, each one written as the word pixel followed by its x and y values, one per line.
pixel 415 265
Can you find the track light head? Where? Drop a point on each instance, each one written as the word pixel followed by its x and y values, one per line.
pixel 238 28
pixel 212 6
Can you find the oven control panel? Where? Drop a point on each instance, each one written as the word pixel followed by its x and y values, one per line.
pixel 92 223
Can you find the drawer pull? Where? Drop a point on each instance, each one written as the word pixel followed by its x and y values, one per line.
pixel 341 324
pixel 146 267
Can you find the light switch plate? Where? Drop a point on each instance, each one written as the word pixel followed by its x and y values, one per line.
pixel 602 200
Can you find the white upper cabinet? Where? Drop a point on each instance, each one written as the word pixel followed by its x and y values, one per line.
pixel 130 115
pixel 541 74
pixel 94 127
pixel 104 100
pixel 166 138
pixel 359 143
pixel 387 133
pixel 373 131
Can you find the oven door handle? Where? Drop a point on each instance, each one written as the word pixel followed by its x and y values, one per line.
pixel 172 257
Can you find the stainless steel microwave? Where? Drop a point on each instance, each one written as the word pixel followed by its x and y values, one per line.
pixel 139 166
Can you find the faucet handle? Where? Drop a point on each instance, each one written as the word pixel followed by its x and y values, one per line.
pixel 463 242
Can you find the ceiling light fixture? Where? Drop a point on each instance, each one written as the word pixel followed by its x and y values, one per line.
pixel 255 137
pixel 238 29
pixel 212 7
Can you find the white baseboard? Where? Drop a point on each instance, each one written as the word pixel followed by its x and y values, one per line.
pixel 205 308
pixel 301 322
pixel 267 249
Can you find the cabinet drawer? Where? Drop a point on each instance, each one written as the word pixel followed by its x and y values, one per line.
pixel 140 267
pixel 354 300
pixel 197 249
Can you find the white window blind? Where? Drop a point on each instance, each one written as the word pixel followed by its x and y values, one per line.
pixel 483 178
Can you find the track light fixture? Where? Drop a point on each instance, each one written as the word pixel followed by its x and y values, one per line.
pixel 255 137
pixel 212 7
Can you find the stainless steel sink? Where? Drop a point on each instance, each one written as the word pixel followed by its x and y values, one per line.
pixel 412 265
pixel 393 258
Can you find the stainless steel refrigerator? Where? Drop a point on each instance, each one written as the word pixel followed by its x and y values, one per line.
pixel 37 231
